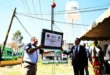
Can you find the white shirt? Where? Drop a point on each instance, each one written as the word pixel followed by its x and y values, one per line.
pixel 97 50
pixel 74 49
pixel 78 48
pixel 33 58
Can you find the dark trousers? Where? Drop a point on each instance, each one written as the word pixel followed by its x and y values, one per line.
pixel 87 71
pixel 107 67
pixel 78 70
pixel 29 69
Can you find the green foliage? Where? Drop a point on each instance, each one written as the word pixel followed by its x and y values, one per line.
pixel 92 44
pixel 16 35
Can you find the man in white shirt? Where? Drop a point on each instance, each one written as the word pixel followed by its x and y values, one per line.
pixel 30 57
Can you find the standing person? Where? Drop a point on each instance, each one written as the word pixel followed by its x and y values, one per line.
pixel 107 59
pixel 96 58
pixel 106 69
pixel 87 51
pixel 79 58
pixel 30 58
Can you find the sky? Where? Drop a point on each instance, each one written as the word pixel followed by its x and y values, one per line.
pixel 34 25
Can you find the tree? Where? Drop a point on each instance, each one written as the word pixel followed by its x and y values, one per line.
pixel 16 35
pixel 17 38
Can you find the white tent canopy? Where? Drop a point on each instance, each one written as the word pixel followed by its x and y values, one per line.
pixel 100 29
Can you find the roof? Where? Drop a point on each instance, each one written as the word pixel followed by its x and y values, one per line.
pixel 100 29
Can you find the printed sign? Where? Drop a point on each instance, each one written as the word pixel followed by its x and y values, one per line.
pixel 52 39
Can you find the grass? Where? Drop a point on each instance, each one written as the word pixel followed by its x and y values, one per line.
pixel 43 69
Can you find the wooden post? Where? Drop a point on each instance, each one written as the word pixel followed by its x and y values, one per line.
pixel 7 34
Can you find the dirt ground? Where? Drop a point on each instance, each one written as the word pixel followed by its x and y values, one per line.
pixel 43 69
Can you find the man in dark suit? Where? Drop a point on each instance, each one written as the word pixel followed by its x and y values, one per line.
pixel 79 58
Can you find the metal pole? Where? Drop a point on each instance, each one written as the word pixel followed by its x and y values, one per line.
pixel 7 33
pixel 52 22
pixel 52 28
pixel 73 27
pixel 52 18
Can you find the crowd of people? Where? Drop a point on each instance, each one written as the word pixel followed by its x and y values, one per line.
pixel 98 57
pixel 80 56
